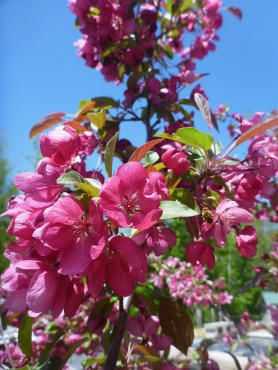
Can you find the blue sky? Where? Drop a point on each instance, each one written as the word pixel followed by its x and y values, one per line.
pixel 41 74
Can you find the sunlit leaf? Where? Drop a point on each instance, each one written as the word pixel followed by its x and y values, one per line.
pixel 82 113
pixel 150 158
pixel 176 323
pixel 169 5
pixel 142 150
pixel 92 191
pixel 70 178
pixel 174 209
pixel 25 336
pixel 46 122
pixel 190 136
pixel 97 118
pixel 109 154
pixel 203 106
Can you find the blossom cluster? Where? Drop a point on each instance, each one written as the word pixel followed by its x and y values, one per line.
pixel 124 37
pixel 189 284
pixel 63 237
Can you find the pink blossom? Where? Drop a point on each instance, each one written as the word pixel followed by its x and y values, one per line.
pixel 246 241
pixel 121 263
pixel 126 200
pixel 201 252
pixel 227 214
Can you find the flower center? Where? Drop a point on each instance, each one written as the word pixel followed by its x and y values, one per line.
pixel 130 204
pixel 79 227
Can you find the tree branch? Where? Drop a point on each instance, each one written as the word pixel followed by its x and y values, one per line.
pixel 118 332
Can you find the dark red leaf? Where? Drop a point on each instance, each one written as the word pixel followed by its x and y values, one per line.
pixel 142 150
pixel 46 122
pixel 235 11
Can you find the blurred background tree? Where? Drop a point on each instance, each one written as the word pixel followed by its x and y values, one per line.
pixel 235 269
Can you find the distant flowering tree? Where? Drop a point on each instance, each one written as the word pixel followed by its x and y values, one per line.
pixel 93 247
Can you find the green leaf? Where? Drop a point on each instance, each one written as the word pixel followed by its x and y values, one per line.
pixel 91 187
pixel 175 209
pixel 150 158
pixel 169 5
pixel 168 51
pixel 98 119
pixel 109 154
pixel 184 196
pixel 176 323
pixel 70 178
pixel 190 136
pixel 25 336
pixel 84 103
pixel 98 360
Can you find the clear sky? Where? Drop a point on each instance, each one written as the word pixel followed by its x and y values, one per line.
pixel 40 73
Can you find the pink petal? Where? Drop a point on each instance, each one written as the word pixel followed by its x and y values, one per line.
pixel 96 276
pixel 96 250
pixel 42 291
pixel 75 260
pixel 65 211
pixel 118 277
pixel 55 236
pixel 133 175
pixel 132 255
pixel 16 301
pixel 29 264
pixel 74 294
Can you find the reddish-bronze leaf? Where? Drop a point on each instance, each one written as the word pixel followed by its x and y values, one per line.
pixel 254 131
pixel 76 125
pixel 176 323
pixel 142 150
pixel 46 122
pixel 81 115
pixel 235 11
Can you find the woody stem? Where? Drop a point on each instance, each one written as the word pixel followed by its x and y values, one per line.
pixel 118 332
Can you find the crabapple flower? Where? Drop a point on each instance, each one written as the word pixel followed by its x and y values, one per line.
pixel 120 262
pixel 227 214
pixel 128 198
pixel 176 159
pixel 246 241
pixel 201 252
pixel 35 284
pixel 63 224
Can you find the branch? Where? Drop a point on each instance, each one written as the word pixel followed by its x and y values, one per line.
pixel 118 332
